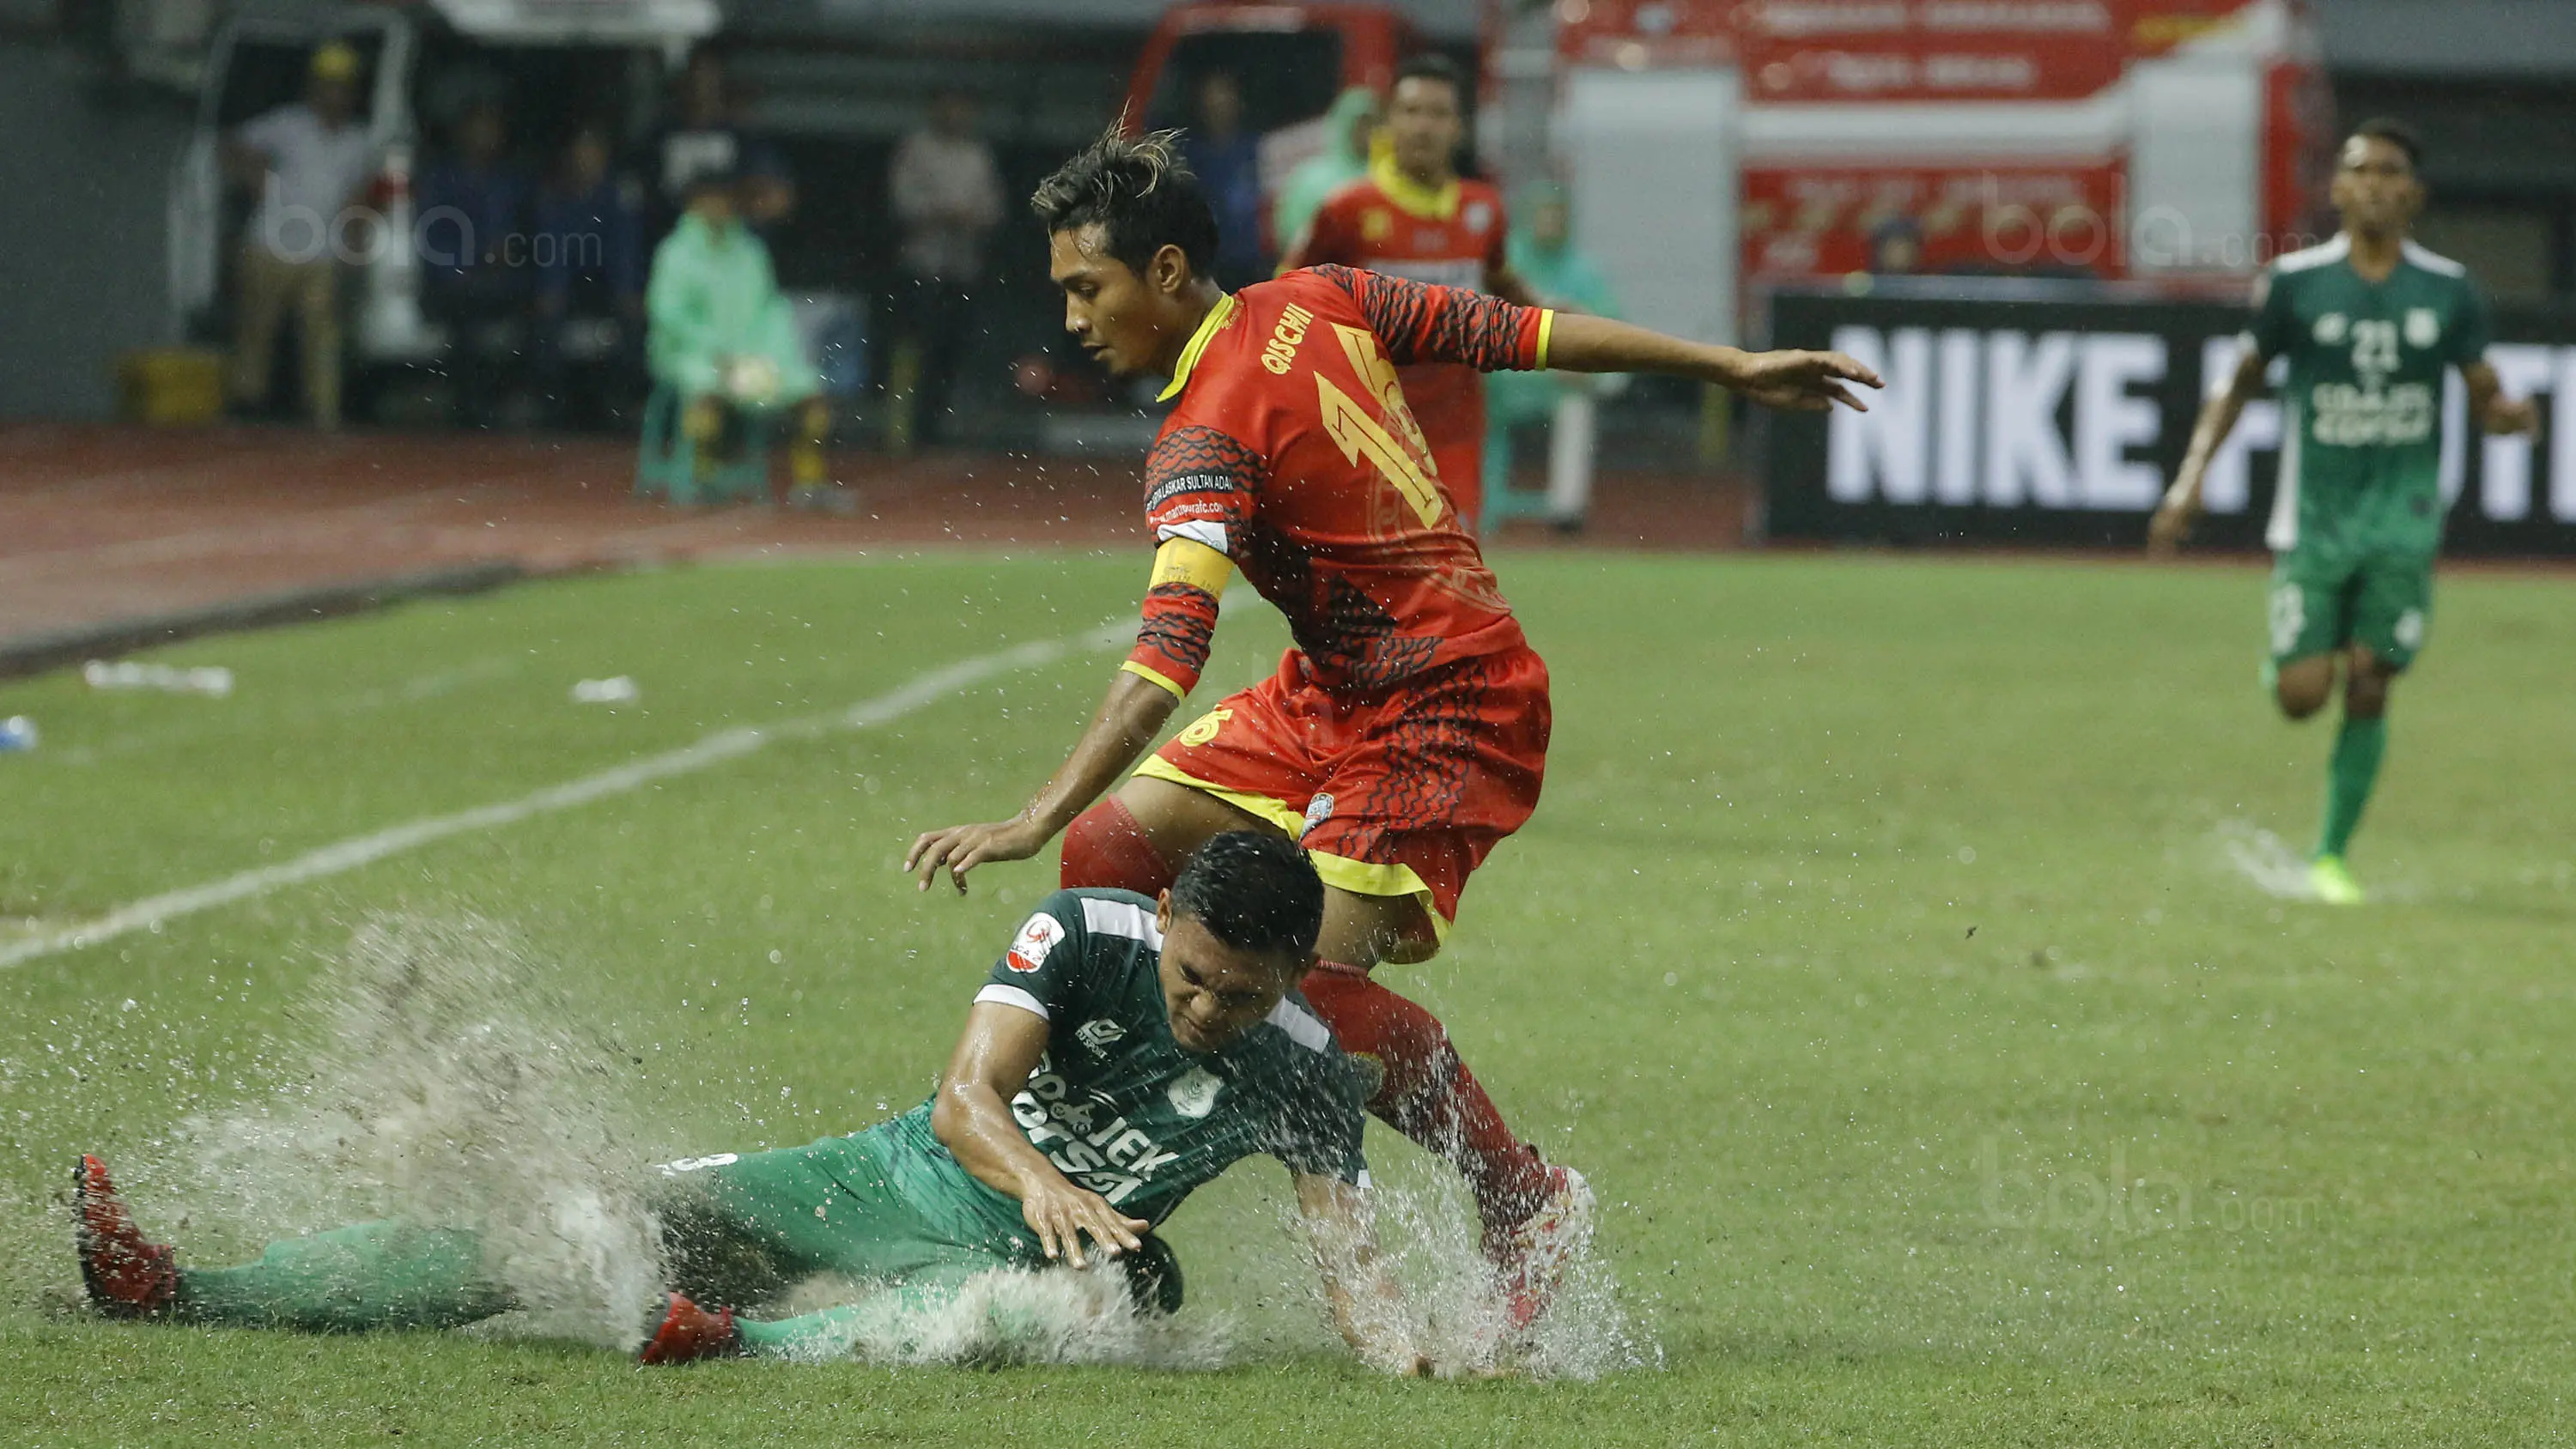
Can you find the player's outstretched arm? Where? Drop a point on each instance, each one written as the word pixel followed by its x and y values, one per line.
pixel 1418 322
pixel 2496 413
pixel 1131 714
pixel 1367 1306
pixel 971 1116
pixel 1795 380
pixel 2174 516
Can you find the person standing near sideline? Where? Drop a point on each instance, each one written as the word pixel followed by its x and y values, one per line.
pixel 947 194
pixel 309 162
pixel 1414 216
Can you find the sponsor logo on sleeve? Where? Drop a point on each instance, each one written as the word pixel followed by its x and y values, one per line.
pixel 1036 939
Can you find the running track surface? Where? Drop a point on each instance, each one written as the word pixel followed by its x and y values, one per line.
pixel 102 525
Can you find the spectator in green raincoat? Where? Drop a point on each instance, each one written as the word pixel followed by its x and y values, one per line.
pixel 721 334
pixel 1348 126
pixel 1542 254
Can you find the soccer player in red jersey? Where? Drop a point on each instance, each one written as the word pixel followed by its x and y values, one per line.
pixel 1414 216
pixel 1404 735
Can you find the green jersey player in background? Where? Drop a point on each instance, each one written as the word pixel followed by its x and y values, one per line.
pixel 2368 322
pixel 1122 1052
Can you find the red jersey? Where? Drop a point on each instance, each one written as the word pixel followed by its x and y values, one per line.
pixel 1449 238
pixel 1293 453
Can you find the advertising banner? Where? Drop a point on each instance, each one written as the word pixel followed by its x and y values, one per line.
pixel 2053 415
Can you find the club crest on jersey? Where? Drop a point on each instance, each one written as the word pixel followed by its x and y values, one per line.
pixel 1194 1095
pixel 2330 328
pixel 1479 216
pixel 1376 225
pixel 1037 937
pixel 1098 1036
pixel 2423 329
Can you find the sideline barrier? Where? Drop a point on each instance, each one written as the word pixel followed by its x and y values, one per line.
pixel 2053 414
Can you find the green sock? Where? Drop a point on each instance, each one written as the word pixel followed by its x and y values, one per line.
pixel 350 1280
pixel 2354 769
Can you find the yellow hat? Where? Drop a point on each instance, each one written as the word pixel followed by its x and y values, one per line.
pixel 335 60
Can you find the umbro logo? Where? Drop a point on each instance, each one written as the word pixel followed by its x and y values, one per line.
pixel 1098 1036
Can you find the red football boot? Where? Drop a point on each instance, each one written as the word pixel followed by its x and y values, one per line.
pixel 689 1333
pixel 127 1277
pixel 1531 1258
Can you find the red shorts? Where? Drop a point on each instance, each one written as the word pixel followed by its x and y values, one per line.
pixel 1399 791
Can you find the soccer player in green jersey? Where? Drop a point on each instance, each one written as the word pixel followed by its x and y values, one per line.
pixel 2368 321
pixel 1123 1052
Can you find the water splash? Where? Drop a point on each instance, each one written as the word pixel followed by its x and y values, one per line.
pixel 2265 860
pixel 1429 1234
pixel 1012 1317
pixel 447 1087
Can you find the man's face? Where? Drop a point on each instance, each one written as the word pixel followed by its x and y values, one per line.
pixel 1423 123
pixel 1220 104
pixel 332 98
pixel 1214 992
pixel 714 205
pixel 2375 186
pixel 1551 224
pixel 1120 318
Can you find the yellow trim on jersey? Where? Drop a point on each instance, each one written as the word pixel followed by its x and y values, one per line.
pixel 1546 331
pixel 1188 561
pixel 1198 342
pixel 1153 677
pixel 1364 878
pixel 1430 203
pixel 1276 812
pixel 1359 877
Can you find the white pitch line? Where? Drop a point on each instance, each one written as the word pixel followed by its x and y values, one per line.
pixel 347 855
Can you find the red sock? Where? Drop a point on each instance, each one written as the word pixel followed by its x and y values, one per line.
pixel 1105 847
pixel 1428 1094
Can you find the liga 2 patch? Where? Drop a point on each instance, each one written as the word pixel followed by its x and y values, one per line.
pixel 1038 936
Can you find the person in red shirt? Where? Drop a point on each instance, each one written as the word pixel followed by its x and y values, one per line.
pixel 1414 216
pixel 1405 733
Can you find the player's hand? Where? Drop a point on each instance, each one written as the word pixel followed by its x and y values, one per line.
pixel 2511 416
pixel 1062 1215
pixel 961 848
pixel 2173 518
pixel 1806 382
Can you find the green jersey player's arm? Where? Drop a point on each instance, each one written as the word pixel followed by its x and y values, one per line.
pixel 1368 1307
pixel 2266 335
pixel 971 1116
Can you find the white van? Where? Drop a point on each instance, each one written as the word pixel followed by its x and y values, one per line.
pixel 590 60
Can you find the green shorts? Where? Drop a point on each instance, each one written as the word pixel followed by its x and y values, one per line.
pixel 887 1204
pixel 2320 603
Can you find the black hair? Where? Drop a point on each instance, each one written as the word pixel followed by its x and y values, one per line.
pixel 1253 891
pixel 1432 65
pixel 1141 195
pixel 2396 133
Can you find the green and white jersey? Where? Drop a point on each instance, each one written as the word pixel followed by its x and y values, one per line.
pixel 2361 454
pixel 1120 1107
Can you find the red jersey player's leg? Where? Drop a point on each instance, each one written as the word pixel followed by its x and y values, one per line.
pixel 1248 763
pixel 1430 782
